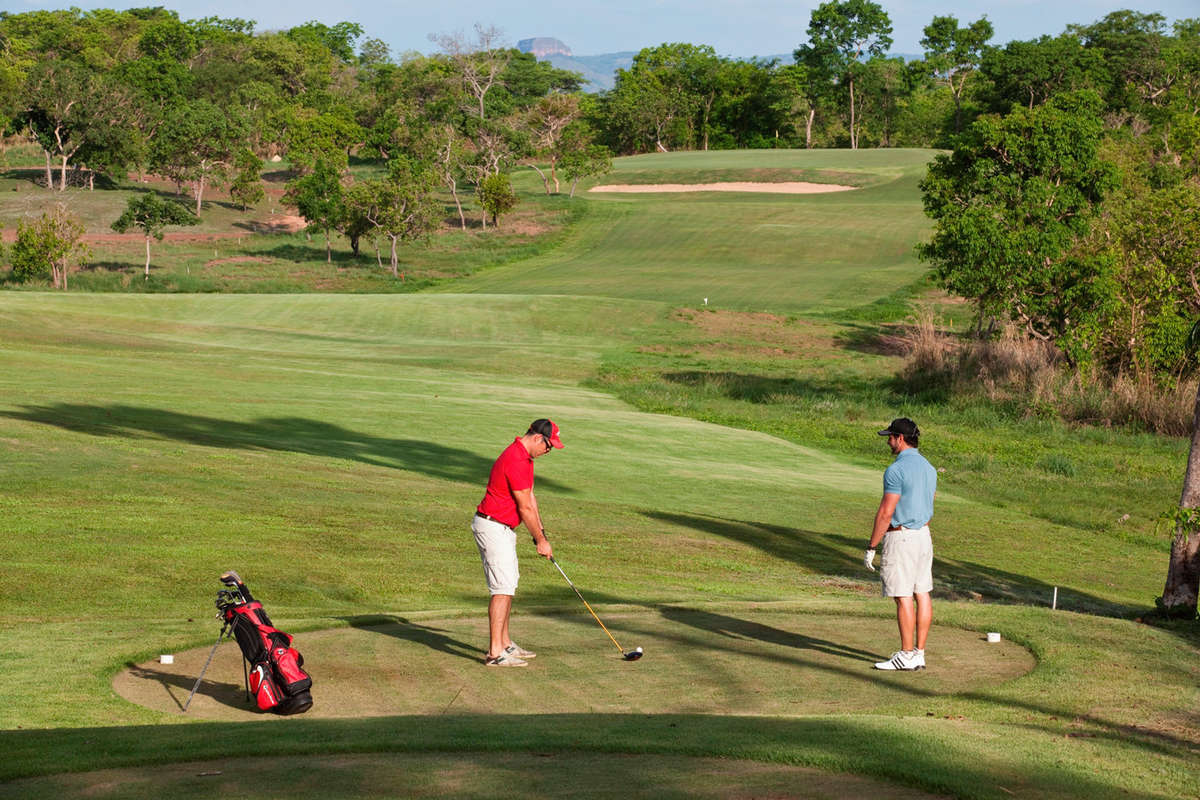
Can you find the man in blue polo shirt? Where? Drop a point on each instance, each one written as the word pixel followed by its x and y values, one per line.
pixel 902 525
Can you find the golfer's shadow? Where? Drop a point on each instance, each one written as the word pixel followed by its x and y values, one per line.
pixel 227 694
pixel 401 628
pixel 735 628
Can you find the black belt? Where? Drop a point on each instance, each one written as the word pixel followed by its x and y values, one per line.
pixel 493 519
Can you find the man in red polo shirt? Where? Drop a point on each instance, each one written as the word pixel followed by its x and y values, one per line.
pixel 507 503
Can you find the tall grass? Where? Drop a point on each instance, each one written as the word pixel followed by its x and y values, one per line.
pixel 1033 377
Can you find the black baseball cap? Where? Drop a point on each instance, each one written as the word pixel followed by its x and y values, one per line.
pixel 901 427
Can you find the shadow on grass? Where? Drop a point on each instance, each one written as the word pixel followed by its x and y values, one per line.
pixel 732 627
pixel 401 628
pixel 227 694
pixel 285 434
pixel 762 389
pixel 832 554
pixel 934 759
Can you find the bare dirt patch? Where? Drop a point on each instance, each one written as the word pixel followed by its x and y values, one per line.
pixel 784 187
pixel 756 333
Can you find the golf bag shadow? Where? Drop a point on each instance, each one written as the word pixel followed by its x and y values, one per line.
pixel 275 678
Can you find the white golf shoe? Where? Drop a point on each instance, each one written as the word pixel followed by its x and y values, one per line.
pixel 903 660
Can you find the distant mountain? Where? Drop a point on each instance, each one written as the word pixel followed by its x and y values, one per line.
pixel 599 72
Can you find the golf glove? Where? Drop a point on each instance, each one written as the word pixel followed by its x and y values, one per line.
pixel 869 560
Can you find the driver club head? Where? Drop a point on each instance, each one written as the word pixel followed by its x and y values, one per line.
pixel 634 654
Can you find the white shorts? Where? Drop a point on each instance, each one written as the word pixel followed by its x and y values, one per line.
pixel 906 562
pixel 497 545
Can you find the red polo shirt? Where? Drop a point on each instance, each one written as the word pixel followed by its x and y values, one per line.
pixel 512 472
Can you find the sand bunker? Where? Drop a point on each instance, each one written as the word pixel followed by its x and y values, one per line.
pixel 790 187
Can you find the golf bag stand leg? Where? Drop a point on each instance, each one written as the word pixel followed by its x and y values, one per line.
pixel 211 653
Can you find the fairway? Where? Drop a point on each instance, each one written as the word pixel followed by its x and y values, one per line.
pixel 332 448
pixel 783 253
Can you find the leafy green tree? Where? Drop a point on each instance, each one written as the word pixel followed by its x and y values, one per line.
pixel 246 188
pixel 327 137
pixel 1030 73
pixel 1008 206
pixel 841 33
pixel 152 214
pixel 318 198
pixel 955 53
pixel 584 159
pixel 652 101
pixel 400 207
pixel 497 197
pixel 196 144
pixel 50 245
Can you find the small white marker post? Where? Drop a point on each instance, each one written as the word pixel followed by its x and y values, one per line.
pixel 1054 600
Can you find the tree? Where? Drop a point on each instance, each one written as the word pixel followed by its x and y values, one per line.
pixel 1009 204
pixel 246 189
pixel 195 144
pixel 497 197
pixel 1182 587
pixel 479 63
pixel 318 198
pixel 547 120
pixel 955 53
pixel 152 215
pixel 400 207
pixel 841 33
pixel 1030 73
pixel 586 162
pixel 652 100
pixel 50 244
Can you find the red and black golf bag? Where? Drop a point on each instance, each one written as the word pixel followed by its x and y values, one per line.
pixel 275 677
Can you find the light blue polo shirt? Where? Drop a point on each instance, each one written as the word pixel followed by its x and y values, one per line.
pixel 915 480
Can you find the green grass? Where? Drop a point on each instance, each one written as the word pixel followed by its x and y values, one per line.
pixel 786 253
pixel 720 473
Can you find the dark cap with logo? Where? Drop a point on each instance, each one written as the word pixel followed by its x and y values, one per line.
pixel 901 427
pixel 547 428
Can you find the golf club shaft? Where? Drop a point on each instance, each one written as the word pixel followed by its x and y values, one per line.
pixel 211 653
pixel 585 603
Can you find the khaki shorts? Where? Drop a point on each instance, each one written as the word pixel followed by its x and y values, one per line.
pixel 906 562
pixel 497 545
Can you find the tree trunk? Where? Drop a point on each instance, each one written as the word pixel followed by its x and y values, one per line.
pixel 199 184
pixel 1183 570
pixel 574 183
pixel 554 173
pixel 395 261
pixel 542 175
pixel 147 257
pixel 808 125
pixel 328 248
pixel 49 172
pixel 462 218
pixel 62 177
pixel 853 134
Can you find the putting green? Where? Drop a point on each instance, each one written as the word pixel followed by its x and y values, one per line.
pixel 743 659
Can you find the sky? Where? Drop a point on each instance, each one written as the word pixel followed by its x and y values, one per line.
pixel 736 28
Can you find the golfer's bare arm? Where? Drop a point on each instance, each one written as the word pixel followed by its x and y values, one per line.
pixel 883 518
pixel 527 508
